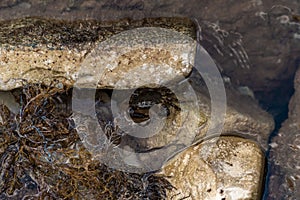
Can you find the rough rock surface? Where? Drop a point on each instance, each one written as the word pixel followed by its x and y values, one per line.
pixel 184 125
pixel 66 50
pixel 146 143
pixel 268 29
pixel 218 168
pixel 243 116
pixel 36 50
pixel 285 153
pixel 144 57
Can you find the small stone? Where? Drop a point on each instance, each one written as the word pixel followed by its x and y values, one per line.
pixel 218 168
pixel 7 99
pixel 89 4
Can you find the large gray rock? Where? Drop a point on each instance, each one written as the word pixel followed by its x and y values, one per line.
pixel 219 168
pixel 284 158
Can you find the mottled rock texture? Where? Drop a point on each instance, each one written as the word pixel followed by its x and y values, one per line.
pixel 268 30
pixel 35 50
pixel 219 168
pixel 41 46
pixel 147 141
pixel 285 153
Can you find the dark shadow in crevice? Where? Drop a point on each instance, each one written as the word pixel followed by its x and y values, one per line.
pixel 275 102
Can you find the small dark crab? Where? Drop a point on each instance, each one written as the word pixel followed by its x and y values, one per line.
pixel 144 98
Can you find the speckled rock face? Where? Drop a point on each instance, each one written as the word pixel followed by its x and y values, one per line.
pixel 143 57
pixel 219 168
pixel 285 153
pixel 41 50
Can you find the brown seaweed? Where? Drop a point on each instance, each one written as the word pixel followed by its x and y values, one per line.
pixel 42 157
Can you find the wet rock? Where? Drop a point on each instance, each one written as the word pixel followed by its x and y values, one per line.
pixel 7 99
pixel 149 139
pixel 284 158
pixel 218 168
pixel 244 117
pixel 47 50
pixel 265 30
pixel 260 25
pixel 145 57
pixel 151 127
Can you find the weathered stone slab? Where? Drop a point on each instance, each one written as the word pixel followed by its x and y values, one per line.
pixel 42 50
pixel 219 168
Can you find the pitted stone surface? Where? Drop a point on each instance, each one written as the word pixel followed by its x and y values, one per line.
pixel 34 50
pixel 284 161
pixel 218 168
pixel 143 57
